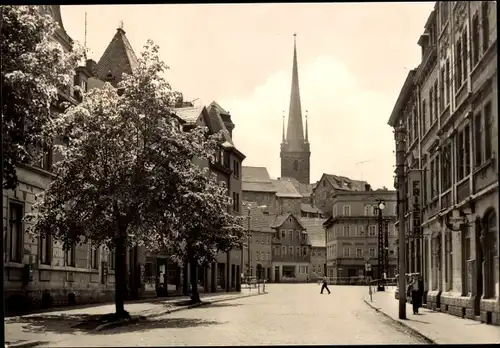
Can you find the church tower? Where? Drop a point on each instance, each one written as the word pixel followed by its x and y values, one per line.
pixel 295 153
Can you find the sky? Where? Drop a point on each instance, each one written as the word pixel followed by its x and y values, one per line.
pixel 352 57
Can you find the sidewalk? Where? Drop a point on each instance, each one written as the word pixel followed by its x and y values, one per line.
pixel 29 330
pixel 440 328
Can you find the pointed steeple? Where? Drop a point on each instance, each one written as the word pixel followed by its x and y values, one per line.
pixel 295 130
pixel 307 135
pixel 283 133
pixel 118 58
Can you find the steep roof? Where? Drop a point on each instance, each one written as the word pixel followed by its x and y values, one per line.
pixel 304 189
pixel 118 58
pixel 189 114
pixel 344 183
pixel 285 188
pixel 259 222
pixel 315 231
pixel 280 219
pixel 257 187
pixel 255 174
pixel 216 124
pixel 221 110
pixel 307 208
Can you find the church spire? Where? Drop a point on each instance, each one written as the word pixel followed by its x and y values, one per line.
pixel 295 130
pixel 283 133
pixel 307 132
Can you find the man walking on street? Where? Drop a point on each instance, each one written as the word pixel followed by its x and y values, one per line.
pixel 325 285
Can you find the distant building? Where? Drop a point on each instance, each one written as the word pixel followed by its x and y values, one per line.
pixel 352 231
pixel 328 185
pixel 316 234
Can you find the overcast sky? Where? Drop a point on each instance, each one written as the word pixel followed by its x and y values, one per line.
pixel 353 59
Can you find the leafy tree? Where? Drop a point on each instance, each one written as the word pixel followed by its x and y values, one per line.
pixel 33 67
pixel 127 173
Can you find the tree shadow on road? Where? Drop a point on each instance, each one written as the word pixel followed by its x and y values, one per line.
pixel 223 304
pixel 87 324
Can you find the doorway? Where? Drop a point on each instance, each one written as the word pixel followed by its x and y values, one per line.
pixel 479 269
pixel 277 274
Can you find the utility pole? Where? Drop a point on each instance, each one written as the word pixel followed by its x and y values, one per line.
pixel 400 138
pixel 2 246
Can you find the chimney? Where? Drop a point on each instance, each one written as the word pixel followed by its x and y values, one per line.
pixel 91 66
pixel 368 187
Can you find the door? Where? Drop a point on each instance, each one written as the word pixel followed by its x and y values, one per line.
pixel 276 274
pixel 479 270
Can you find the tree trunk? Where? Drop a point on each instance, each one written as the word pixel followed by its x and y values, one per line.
pixel 121 276
pixel 195 296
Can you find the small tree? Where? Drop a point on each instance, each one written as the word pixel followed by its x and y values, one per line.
pixel 127 169
pixel 33 67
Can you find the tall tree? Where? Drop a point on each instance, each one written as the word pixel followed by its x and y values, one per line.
pixel 126 170
pixel 33 67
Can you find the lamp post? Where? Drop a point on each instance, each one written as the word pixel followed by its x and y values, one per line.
pixel 381 246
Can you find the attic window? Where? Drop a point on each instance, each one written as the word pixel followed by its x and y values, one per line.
pixel 109 76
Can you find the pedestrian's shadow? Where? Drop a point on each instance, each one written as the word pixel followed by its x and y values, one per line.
pixel 72 324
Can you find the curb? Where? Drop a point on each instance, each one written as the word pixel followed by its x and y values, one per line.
pixel 402 323
pixel 26 344
pixel 169 311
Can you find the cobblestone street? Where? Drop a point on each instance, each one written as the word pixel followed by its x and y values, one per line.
pixel 288 314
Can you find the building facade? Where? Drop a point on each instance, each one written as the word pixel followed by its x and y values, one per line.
pixel 295 149
pixel 352 234
pixel 316 235
pixel 451 141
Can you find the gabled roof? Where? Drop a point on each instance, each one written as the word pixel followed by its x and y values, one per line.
pixel 258 187
pixel 255 174
pixel 280 219
pixel 216 124
pixel 344 183
pixel 285 188
pixel 258 221
pixel 307 208
pixel 315 231
pixel 118 58
pixel 221 110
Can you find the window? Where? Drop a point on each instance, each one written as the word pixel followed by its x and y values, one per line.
pixel 257 256
pixel 283 250
pixel 478 139
pixel 447 81
pixel 446 177
pixel 94 258
pixel 236 202
pixel 465 54
pixel 424 117
pixel 435 103
pixel 46 249
pixel 431 107
pixel 347 252
pixel 347 230
pixel 487 131
pixel 475 40
pixel 16 236
pixel 458 65
pixel 83 85
pixel 111 260
pixel 486 26
pixel 290 251
pixel 297 233
pixel 295 165
pixel 371 252
pixel 297 251
pixel 415 122
pixel 70 256
pixel 444 12
pixel 491 235
pixel 359 253
pixel 304 251
pixel 320 253
pixel 441 90
pixel 46 160
pixel 460 156
pixel 236 168
pixel 361 231
pixel 346 210
pixel 313 253
pixel 334 211
pixel 372 231
pixel 368 210
pixel 290 234
pixel 268 254
pixel 283 233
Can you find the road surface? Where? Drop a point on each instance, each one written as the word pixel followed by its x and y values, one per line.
pixel 288 314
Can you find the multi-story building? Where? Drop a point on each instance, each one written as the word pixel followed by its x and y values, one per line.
pixel 352 233
pixel 260 242
pixel 316 235
pixel 327 185
pixel 450 154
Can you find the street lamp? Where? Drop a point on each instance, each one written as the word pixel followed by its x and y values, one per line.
pixel 381 246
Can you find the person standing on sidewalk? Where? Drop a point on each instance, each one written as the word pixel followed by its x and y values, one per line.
pixel 416 294
pixel 325 285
